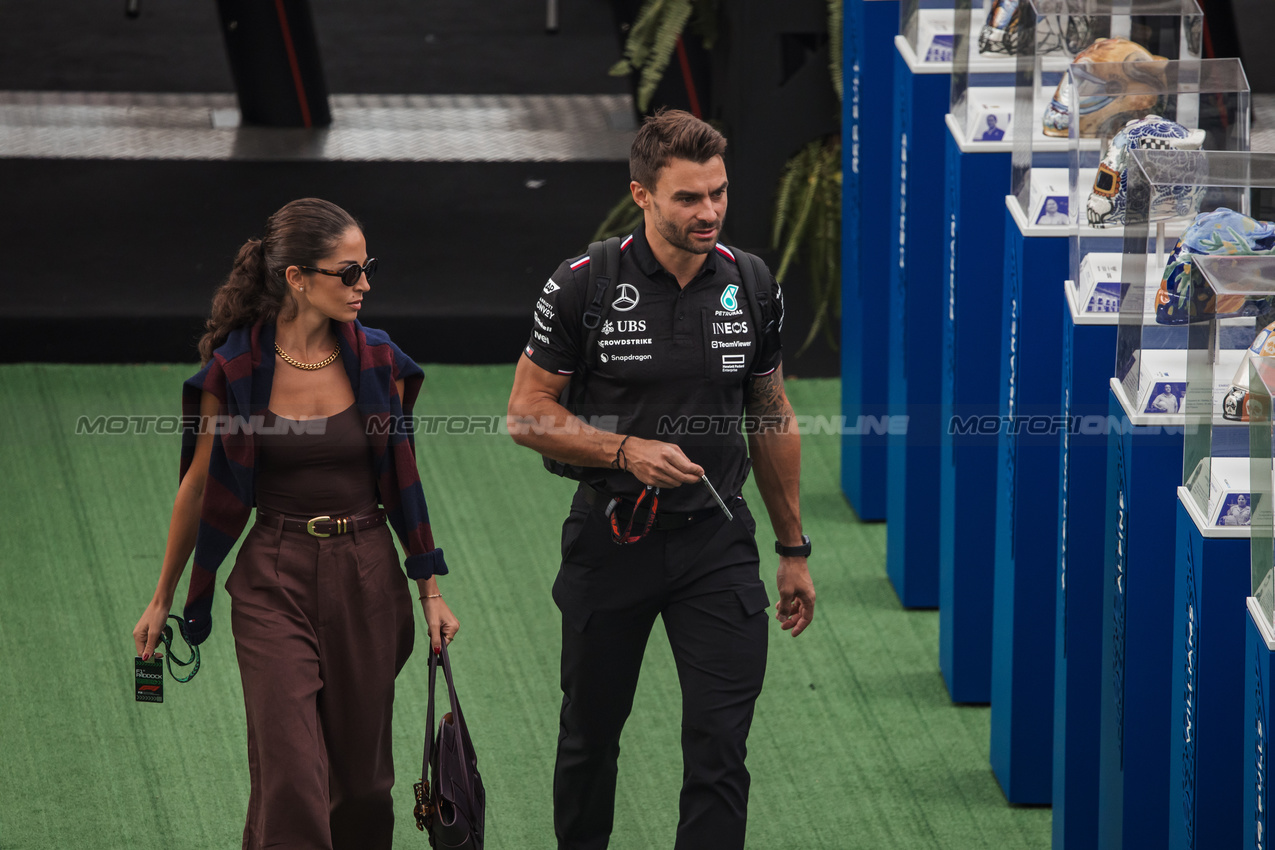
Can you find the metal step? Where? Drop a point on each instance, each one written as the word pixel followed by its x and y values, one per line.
pixel 365 128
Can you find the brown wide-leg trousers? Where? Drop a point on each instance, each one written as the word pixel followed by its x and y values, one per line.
pixel 322 627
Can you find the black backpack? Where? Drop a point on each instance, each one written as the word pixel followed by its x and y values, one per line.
pixel 604 261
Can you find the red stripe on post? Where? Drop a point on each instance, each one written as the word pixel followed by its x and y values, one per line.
pixel 687 80
pixel 293 64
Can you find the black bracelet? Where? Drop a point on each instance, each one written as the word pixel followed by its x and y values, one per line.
pixel 620 456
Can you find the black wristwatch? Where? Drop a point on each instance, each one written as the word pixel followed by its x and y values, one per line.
pixel 802 551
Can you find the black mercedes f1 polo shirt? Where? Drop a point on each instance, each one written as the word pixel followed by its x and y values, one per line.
pixel 670 363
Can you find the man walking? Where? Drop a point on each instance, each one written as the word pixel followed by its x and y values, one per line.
pixel 677 360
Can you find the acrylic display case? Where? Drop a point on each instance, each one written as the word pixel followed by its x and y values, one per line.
pixel 1046 37
pixel 1203 104
pixel 982 106
pixel 1208 196
pixel 926 26
pixel 1232 305
pixel 1261 376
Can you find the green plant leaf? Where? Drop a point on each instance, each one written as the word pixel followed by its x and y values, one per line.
pixel 661 50
pixel 836 10
pixel 704 22
pixel 808 192
pixel 808 223
pixel 783 201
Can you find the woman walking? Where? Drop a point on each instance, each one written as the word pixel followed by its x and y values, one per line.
pixel 302 413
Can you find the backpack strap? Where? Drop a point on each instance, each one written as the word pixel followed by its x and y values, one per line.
pixel 756 279
pixel 604 270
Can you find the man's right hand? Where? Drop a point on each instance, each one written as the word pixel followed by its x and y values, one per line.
pixel 660 464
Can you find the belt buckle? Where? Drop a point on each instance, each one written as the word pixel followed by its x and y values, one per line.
pixel 309 526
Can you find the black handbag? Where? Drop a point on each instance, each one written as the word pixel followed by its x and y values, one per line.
pixel 450 801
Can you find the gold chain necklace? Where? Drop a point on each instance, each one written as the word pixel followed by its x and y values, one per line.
pixel 309 367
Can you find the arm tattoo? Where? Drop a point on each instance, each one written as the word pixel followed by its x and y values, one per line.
pixel 766 398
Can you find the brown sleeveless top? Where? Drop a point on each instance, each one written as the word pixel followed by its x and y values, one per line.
pixel 313 467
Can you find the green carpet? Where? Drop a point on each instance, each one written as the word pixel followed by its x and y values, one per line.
pixel 855 744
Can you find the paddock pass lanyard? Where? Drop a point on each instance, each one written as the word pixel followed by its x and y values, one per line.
pixel 167 637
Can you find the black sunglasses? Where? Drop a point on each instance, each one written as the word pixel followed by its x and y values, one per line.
pixel 350 274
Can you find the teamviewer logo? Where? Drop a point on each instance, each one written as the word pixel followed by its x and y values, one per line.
pixel 733 362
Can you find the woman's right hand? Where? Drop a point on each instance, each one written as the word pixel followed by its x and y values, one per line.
pixel 147 632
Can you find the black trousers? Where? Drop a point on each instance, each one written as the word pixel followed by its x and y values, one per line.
pixel 703 580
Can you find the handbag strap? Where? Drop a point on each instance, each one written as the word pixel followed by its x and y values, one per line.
pixel 455 703
pixel 457 716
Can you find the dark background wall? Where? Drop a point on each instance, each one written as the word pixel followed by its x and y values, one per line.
pixel 464 246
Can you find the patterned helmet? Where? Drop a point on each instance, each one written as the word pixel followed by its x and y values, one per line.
pixel 1128 90
pixel 1109 199
pixel 1236 404
pixel 1185 296
pixel 1003 33
pixel 1000 33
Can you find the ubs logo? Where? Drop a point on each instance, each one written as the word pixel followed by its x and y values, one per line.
pixel 630 325
pixel 627 298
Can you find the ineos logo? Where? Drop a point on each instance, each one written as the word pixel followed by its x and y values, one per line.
pixel 627 299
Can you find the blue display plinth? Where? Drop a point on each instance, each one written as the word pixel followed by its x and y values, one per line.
pixel 1089 352
pixel 1026 542
pixel 1259 664
pixel 1144 468
pixel 977 178
pixel 915 263
pixel 869 30
pixel 1206 712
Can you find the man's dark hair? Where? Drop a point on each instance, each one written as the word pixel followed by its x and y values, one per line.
pixel 671 134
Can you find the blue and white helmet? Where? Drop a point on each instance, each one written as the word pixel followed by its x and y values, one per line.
pixel 1185 296
pixel 1108 202
pixel 1238 404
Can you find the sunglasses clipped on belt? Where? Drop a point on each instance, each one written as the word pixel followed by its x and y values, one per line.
pixel 627 535
pixel 350 274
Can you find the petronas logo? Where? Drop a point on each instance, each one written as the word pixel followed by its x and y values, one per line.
pixel 728 298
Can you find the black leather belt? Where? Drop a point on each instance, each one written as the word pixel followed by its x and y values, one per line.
pixel 664 520
pixel 324 526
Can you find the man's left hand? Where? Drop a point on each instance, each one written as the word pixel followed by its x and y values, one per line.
pixel 796 606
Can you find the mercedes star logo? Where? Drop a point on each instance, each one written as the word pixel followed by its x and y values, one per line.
pixel 627 299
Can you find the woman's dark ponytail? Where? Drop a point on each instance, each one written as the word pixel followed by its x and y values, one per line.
pixel 300 233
